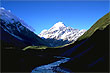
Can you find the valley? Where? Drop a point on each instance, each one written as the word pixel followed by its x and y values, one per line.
pixel 52 50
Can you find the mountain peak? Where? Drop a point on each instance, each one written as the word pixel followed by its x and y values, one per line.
pixel 8 16
pixel 60 31
pixel 62 34
pixel 59 24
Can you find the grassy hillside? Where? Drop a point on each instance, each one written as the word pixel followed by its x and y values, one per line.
pixel 90 53
pixel 90 56
pixel 34 47
pixel 100 24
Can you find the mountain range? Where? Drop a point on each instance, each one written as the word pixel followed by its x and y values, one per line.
pixel 61 33
pixel 89 51
pixel 16 29
pixel 13 29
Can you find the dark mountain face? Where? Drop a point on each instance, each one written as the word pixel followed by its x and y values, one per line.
pixel 14 34
pixel 8 40
pixel 90 54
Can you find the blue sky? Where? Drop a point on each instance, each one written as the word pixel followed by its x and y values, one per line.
pixel 44 14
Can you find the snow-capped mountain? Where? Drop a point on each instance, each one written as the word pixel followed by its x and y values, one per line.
pixel 8 16
pixel 14 29
pixel 61 32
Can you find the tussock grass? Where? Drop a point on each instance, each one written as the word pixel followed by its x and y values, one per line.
pixel 100 24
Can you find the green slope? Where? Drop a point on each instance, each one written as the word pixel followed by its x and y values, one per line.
pixel 90 53
pixel 100 24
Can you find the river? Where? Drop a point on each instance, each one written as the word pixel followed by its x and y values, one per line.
pixel 52 67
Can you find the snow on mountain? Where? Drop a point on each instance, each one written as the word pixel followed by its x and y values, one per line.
pixel 17 29
pixel 60 31
pixel 8 16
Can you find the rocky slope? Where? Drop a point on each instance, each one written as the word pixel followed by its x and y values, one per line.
pixel 16 32
pixel 60 33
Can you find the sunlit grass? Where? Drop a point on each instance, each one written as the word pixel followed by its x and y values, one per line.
pixel 100 24
pixel 35 47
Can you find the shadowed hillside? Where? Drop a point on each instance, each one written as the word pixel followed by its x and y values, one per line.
pixel 91 55
pixel 91 51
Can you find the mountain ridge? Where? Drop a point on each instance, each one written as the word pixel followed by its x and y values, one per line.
pixel 60 31
pixel 90 53
pixel 17 30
